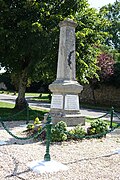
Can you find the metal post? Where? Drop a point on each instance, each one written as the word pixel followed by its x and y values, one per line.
pixel 111 117
pixel 48 138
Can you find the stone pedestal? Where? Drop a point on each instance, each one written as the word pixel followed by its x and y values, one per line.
pixel 65 89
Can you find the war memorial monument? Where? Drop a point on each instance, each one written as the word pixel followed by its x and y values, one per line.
pixel 65 89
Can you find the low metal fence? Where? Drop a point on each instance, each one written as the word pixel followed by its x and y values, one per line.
pixel 48 125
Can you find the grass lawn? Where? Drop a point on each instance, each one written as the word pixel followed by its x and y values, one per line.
pixel 7 112
pixel 6 105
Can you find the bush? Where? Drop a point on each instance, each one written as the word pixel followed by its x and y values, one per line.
pixel 97 126
pixel 57 132
pixel 35 127
pixel 77 131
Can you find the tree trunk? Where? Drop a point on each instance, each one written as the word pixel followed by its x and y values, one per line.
pixel 21 102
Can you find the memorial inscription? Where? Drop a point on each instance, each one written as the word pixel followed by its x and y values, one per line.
pixel 71 102
pixel 57 102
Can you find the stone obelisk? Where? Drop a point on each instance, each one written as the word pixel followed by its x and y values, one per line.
pixel 65 89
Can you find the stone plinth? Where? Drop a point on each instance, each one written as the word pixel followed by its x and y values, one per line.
pixel 65 89
pixel 70 120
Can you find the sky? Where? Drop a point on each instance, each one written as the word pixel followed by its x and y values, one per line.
pixel 99 3
pixel 2 70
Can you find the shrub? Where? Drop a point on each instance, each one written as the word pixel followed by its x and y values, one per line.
pixel 57 132
pixel 35 127
pixel 30 126
pixel 97 126
pixel 77 131
pixel 37 121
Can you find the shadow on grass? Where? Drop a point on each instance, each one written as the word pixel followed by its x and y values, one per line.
pixel 44 99
pixel 11 114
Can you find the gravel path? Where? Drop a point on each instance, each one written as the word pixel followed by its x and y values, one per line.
pixel 86 159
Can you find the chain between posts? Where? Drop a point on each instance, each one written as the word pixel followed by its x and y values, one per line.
pixel 112 113
pixel 48 133
pixel 22 138
pixel 98 117
pixel 92 136
pixel 48 126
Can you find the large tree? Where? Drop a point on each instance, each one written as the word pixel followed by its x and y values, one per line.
pixel 30 33
pixel 90 35
pixel 112 13
pixel 28 36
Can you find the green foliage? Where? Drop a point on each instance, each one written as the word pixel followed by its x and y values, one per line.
pixel 37 121
pixel 29 39
pixel 57 132
pixel 34 127
pixel 90 36
pixel 30 34
pixel 112 13
pixel 36 124
pixel 97 126
pixel 61 126
pixel 30 126
pixel 5 77
pixel 29 31
pixel 78 131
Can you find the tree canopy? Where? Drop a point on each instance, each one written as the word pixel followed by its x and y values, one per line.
pixel 90 35
pixel 27 28
pixel 112 13
pixel 30 34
